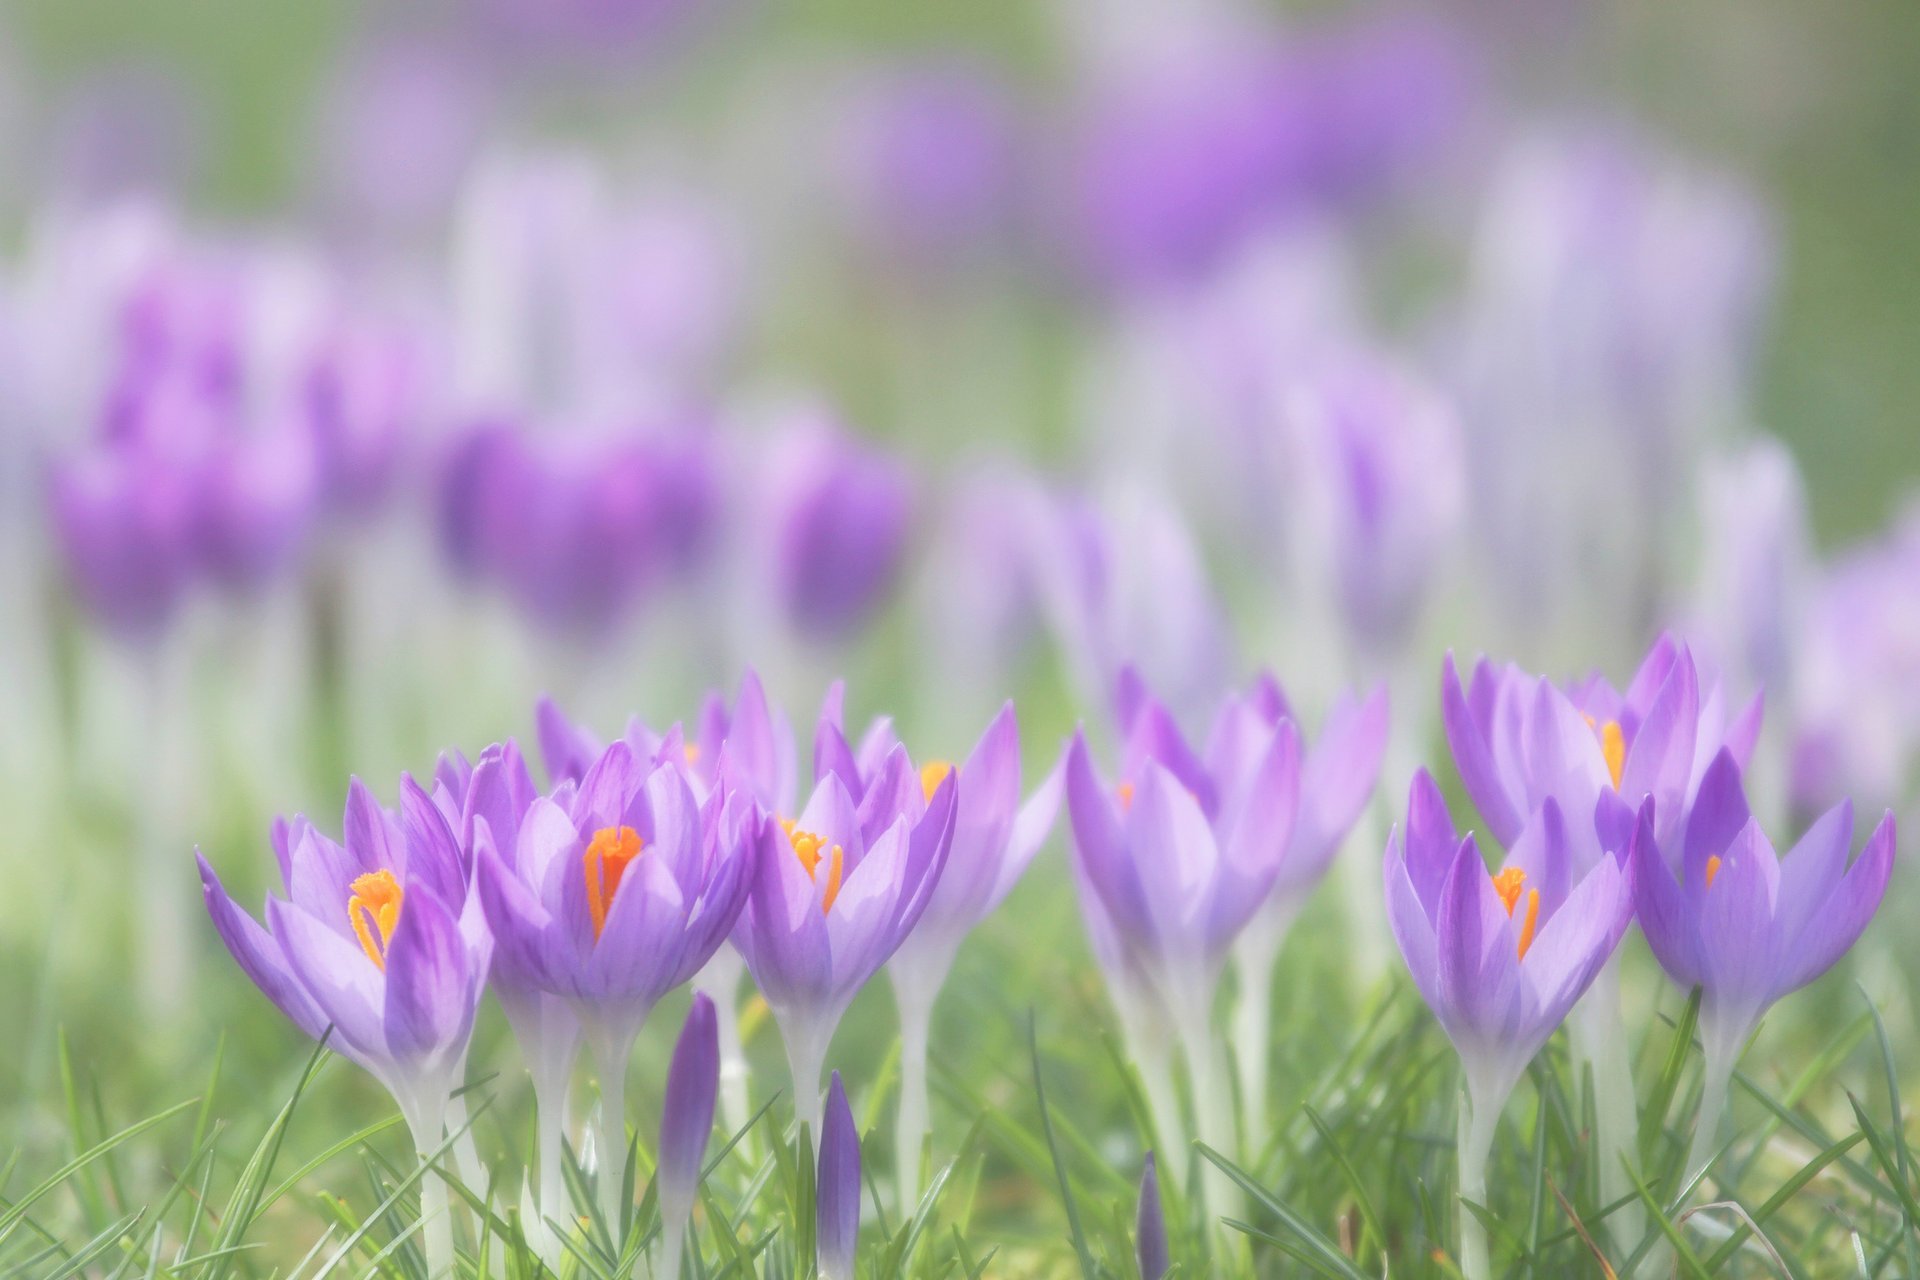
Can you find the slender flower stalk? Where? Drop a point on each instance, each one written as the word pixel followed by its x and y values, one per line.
pixel 836 1188
pixel 686 1125
pixel 1722 912
pixel 1500 959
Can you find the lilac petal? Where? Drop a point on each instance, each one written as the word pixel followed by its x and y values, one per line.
pixel 783 932
pixel 1430 843
pixel 832 755
pixel 1665 911
pixel 346 987
pixel 1101 846
pixel 323 875
pixel 567 750
pixel 875 745
pixel 368 832
pixel 686 1118
pixel 1811 872
pixel 862 919
pixel 257 954
pixel 1542 853
pixel 1412 927
pixel 761 743
pixel 1180 868
pixel 1614 822
pixel 608 789
pixel 1473 756
pixel 674 828
pixel 430 990
pixel 1270 700
pixel 1568 951
pixel 1743 735
pixel 1156 737
pixel 1130 696
pixel 1737 935
pixel 1031 827
pixel 1340 773
pixel 636 956
pixel 282 836
pixel 1561 750
pixel 837 1187
pixel 893 792
pixel 500 793
pixel 832 815
pixel 1651 676
pixel 1257 840
pixel 928 846
pixel 1847 911
pixel 1660 759
pixel 1478 953
pixel 433 854
pixel 525 938
pixel 1719 815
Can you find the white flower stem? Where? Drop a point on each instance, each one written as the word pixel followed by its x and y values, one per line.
pixel 1717 1078
pixel 1153 1059
pixel 550 1119
pixel 1254 955
pixel 610 1053
pixel 426 1120
pixel 806 1059
pixel 1597 1036
pixel 1211 1112
pixel 914 1121
pixel 1478 1122
pixel 673 1242
pixel 720 981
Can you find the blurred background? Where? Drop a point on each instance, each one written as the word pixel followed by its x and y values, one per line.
pixel 369 371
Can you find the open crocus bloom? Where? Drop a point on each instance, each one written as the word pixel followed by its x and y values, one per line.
pixel 378 939
pixel 1723 913
pixel 1519 739
pixel 829 905
pixel 1500 957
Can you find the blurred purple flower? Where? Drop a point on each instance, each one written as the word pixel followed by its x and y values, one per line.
pixel 1150 1226
pixel 840 516
pixel 686 1124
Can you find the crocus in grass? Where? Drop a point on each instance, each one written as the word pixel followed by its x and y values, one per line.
pixel 1499 957
pixel 1723 913
pixel 379 940
pixel 838 889
pixel 994 838
pixel 1337 777
pixel 1181 852
pixel 616 890
pixel 686 1125
pixel 1150 1227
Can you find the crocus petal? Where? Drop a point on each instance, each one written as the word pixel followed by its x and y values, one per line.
pixel 832 755
pixel 1031 827
pixel 1412 927
pixel 1719 814
pixel 1179 865
pixel 1430 842
pixel 1738 938
pixel 1474 756
pixel 1478 956
pixel 1665 912
pixel 1101 844
pixel 1839 922
pixel 1569 950
pixel 531 952
pixel 686 1118
pixel 258 955
pixel 1338 777
pixel 345 986
pixel 566 749
pixel 430 988
pixel 837 1187
pixel 1150 1227
pixel 371 841
pixel 1660 759
pixel 1811 872
pixel 433 854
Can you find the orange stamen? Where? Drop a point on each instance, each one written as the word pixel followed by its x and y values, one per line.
pixel 807 847
pixel 932 775
pixel 1508 884
pixel 1613 745
pixel 608 855
pixel 375 906
pixel 691 751
pixel 1713 869
pixel 1125 792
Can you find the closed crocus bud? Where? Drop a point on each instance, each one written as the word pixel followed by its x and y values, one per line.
pixel 686 1122
pixel 837 1188
pixel 1150 1227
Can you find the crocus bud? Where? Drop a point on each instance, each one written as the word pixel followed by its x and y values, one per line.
pixel 686 1122
pixel 837 1188
pixel 1150 1227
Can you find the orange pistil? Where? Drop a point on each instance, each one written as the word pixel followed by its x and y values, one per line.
pixel 1508 884
pixel 608 855
pixel 932 774
pixel 375 907
pixel 1125 792
pixel 1613 747
pixel 1713 869
pixel 691 751
pixel 810 848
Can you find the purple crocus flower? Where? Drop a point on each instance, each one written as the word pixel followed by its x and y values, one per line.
pixel 686 1125
pixel 378 939
pixel 994 838
pixel 615 891
pixel 836 1188
pixel 1178 856
pixel 1722 912
pixel 1519 740
pixel 1150 1227
pixel 1499 958
pixel 839 888
pixel 124 528
pixel 839 522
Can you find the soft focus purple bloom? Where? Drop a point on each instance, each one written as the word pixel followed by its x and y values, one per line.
pixel 839 519
pixel 1519 740
pixel 575 532
pixel 1501 958
pixel 977 602
pixel 838 889
pixel 836 1188
pixel 1181 161
pixel 1755 562
pixel 1380 493
pixel 1721 911
pixel 1150 1226
pixel 931 154
pixel 363 394
pixel 377 937
pixel 124 528
pixel 686 1115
